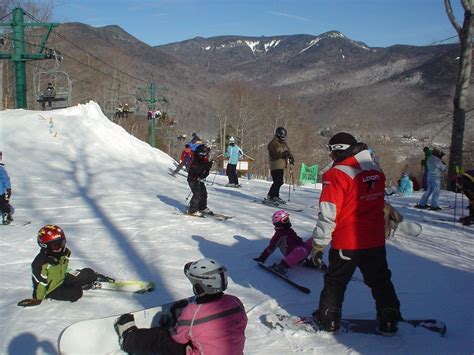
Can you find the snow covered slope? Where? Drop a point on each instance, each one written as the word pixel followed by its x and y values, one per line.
pixel 115 200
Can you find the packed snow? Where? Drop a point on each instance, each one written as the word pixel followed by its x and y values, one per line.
pixel 117 203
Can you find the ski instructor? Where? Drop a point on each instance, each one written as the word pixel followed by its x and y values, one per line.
pixel 351 217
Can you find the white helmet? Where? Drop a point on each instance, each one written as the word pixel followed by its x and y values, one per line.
pixel 231 140
pixel 207 276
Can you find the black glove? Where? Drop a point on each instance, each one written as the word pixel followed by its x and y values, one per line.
pixel 124 325
pixel 292 160
pixel 8 194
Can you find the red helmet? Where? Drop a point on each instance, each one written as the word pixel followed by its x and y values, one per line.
pixel 51 237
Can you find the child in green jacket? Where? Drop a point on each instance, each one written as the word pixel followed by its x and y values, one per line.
pixel 51 278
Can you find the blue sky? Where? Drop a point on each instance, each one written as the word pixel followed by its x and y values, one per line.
pixel 378 23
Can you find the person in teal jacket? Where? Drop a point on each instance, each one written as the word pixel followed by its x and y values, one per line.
pixel 406 185
pixel 233 153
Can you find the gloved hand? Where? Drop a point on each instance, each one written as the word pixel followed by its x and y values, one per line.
pixel 286 154
pixel 316 255
pixel 292 160
pixel 8 194
pixel 259 259
pixel 124 325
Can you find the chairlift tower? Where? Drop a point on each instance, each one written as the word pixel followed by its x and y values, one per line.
pixel 152 100
pixel 19 57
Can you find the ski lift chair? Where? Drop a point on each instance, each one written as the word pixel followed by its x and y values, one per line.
pixel 61 83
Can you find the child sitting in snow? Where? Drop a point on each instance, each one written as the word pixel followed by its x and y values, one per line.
pixel 291 245
pixel 51 278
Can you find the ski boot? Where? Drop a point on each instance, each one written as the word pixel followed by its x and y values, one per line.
pixel 281 268
pixel 6 218
pixel 103 278
pixel 388 321
pixel 207 211
pixel 329 321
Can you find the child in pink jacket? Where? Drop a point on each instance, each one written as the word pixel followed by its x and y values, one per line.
pixel 212 324
pixel 290 244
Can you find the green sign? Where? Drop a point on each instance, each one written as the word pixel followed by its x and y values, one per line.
pixel 308 174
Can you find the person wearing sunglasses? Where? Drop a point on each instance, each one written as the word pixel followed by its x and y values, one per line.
pixel 213 323
pixel 50 275
pixel 351 218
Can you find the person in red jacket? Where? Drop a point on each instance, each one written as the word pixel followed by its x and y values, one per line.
pixel 351 217
pixel 185 160
pixel 213 324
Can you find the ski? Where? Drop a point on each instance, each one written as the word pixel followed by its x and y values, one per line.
pixel 121 285
pixel 17 224
pixel 361 326
pixel 278 205
pixel 124 286
pixel 283 277
pixel 218 216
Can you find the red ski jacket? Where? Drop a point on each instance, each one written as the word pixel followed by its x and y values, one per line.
pixel 351 205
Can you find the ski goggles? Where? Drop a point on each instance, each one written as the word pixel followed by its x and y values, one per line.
pixel 332 147
pixel 57 245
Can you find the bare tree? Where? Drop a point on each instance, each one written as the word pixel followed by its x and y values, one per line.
pixel 462 84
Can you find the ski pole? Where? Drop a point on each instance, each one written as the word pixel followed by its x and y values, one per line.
pixel 190 192
pixel 214 179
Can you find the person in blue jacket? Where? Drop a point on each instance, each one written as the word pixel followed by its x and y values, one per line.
pixel 233 153
pixel 406 185
pixel 5 194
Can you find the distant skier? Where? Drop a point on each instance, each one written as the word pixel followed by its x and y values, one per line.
pixel 5 193
pixel 406 185
pixel 185 159
pixel 233 153
pixel 351 218
pixel 279 156
pixel 51 277
pixel 290 244
pixel 198 170
pixel 436 168
pixel 424 167
pixel 213 324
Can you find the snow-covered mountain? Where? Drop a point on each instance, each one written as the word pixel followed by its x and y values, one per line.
pixel 114 198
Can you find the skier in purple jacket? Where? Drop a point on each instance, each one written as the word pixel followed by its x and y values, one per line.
pixel 290 244
pixel 213 324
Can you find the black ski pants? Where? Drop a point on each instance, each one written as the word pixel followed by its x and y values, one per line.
pixel 277 177
pixel 71 288
pixel 4 205
pixel 374 268
pixel 199 200
pixel 231 172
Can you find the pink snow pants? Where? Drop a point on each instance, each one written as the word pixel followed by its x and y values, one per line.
pixel 298 254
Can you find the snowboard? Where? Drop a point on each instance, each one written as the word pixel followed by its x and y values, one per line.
pixel 412 229
pixel 119 285
pixel 360 326
pixel 98 336
pixel 285 278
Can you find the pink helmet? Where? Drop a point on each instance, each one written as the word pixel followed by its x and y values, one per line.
pixel 280 218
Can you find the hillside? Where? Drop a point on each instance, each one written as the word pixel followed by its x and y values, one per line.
pixel 114 198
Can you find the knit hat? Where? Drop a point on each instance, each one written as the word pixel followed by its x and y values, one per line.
pixel 341 141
